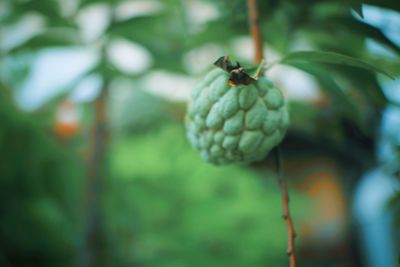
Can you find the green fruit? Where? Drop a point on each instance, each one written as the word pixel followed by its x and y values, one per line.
pixel 235 124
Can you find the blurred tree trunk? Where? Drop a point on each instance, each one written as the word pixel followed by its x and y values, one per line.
pixel 93 237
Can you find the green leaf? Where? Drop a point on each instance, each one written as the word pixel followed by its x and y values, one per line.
pixel 50 38
pixel 329 57
pixel 333 90
pixel 389 4
pixel 166 44
pixel 215 31
pixel 85 3
pixel 360 28
pixel 357 7
pixel 108 71
pixel 48 8
pixel 365 82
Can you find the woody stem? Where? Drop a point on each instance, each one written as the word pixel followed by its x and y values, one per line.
pixel 286 212
pixel 255 30
pixel 258 58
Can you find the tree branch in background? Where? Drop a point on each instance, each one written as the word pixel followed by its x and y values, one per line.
pixel 255 30
pixel 258 58
pixel 92 224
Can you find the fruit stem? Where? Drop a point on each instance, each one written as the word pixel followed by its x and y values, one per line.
pixel 259 69
pixel 255 30
pixel 286 212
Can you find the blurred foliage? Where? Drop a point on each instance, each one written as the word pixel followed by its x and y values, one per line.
pixel 160 208
pixel 146 112
pixel 169 208
pixel 162 205
pixel 40 190
pixel 168 33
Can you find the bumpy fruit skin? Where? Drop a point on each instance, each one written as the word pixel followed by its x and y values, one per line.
pixel 235 124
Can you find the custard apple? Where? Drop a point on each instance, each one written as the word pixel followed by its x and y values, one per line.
pixel 235 124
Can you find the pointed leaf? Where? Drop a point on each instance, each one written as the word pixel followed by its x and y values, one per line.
pixel 329 57
pixel 332 89
pixel 389 4
pixel 344 101
pixel 363 29
pixel 357 7
pixel 365 82
pixel 49 38
pixel 165 44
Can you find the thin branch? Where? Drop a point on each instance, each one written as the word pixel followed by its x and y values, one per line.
pixel 255 30
pixel 259 59
pixel 286 211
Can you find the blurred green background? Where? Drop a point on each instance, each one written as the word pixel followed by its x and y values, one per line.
pixel 95 168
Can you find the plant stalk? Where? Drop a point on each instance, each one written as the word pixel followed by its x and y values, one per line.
pixel 258 59
pixel 255 30
pixel 286 212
